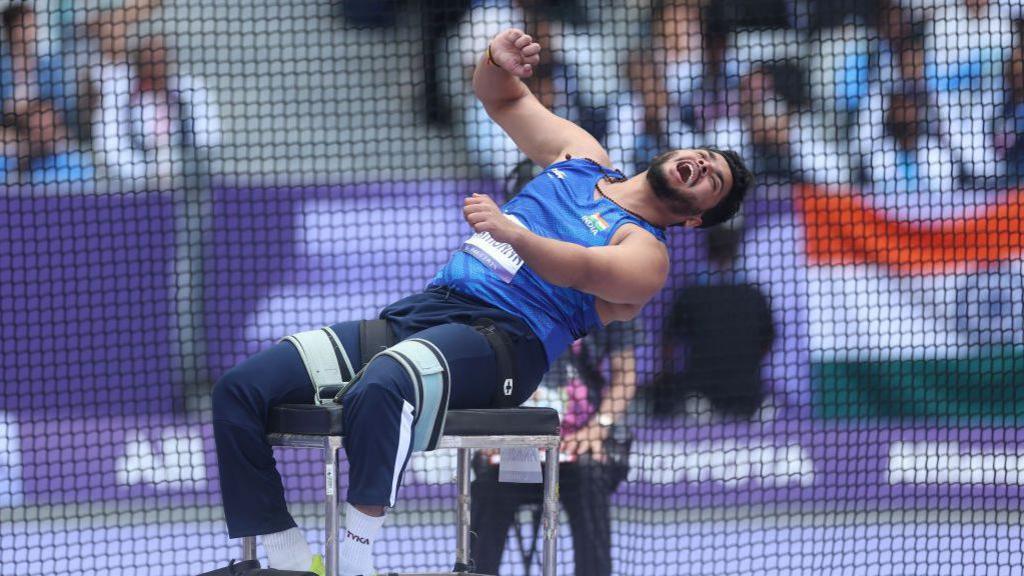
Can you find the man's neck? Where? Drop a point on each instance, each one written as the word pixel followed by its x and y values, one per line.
pixel 637 196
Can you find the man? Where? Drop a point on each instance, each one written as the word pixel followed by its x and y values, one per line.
pixel 145 117
pixel 596 458
pixel 35 144
pixel 561 259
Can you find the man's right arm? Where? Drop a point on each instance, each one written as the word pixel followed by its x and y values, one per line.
pixel 630 272
pixel 539 133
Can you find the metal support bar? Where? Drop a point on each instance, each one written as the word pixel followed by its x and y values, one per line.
pixel 249 548
pixel 316 441
pixel 462 545
pixel 550 514
pixel 494 441
pixel 331 445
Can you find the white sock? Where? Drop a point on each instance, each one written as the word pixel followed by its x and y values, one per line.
pixel 357 542
pixel 288 550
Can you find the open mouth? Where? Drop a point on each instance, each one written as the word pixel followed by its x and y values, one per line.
pixel 688 172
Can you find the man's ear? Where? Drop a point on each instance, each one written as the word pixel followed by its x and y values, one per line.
pixel 692 221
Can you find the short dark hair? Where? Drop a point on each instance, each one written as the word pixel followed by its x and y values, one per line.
pixel 729 205
pixel 14 13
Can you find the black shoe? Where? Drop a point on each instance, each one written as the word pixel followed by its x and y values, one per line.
pixel 243 568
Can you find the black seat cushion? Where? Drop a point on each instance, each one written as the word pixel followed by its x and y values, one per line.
pixel 306 419
pixel 504 421
pixel 326 421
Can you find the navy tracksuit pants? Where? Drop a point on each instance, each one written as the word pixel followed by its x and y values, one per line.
pixel 374 409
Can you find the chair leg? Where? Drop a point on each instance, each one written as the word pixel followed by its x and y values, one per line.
pixel 550 559
pixel 249 548
pixel 331 446
pixel 463 563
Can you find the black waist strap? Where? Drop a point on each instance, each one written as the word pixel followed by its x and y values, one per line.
pixel 374 336
pixel 502 346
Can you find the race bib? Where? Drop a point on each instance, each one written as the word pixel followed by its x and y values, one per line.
pixel 498 256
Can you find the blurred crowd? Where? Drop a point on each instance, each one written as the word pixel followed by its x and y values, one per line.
pixel 918 100
pixel 95 97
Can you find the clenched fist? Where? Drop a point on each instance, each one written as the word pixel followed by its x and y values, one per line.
pixel 484 216
pixel 515 52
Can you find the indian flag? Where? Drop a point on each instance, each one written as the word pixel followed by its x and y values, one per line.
pixel 915 317
pixel 595 223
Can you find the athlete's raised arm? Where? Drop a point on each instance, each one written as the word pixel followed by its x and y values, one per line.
pixel 539 133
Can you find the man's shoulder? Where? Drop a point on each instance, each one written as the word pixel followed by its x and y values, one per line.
pixel 639 236
pixel 569 171
pixel 589 159
pixel 577 165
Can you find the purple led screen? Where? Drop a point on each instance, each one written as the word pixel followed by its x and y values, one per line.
pixel 87 302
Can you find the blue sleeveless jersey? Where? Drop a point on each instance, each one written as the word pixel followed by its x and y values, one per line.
pixel 558 204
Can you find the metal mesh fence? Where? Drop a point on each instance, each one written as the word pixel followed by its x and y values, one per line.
pixel 830 384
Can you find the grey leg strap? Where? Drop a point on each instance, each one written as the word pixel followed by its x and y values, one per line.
pixel 326 361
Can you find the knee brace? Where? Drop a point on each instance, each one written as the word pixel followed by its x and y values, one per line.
pixel 431 378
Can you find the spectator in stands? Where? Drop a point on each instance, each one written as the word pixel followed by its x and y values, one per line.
pixel 766 107
pixel 772 122
pixel 150 117
pixel 103 61
pixel 900 51
pixel 724 17
pixel 900 141
pixel 436 18
pixel 903 155
pixel 37 145
pixel 146 117
pixel 968 45
pixel 102 56
pixel 594 444
pixel 25 73
pixel 1010 129
pixel 665 104
pixel 719 330
pixel 760 122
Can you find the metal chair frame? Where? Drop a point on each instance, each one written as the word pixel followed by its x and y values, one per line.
pixel 330 444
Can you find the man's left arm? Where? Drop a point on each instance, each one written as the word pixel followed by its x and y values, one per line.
pixel 622 388
pixel 630 272
pixel 614 402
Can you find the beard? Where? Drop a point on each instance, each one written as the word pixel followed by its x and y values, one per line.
pixel 679 203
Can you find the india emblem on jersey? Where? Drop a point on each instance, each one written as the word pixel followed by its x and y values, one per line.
pixel 595 223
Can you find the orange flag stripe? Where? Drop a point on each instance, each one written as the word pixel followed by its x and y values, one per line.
pixel 842 228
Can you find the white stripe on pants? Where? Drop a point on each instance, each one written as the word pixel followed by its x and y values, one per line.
pixel 404 447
